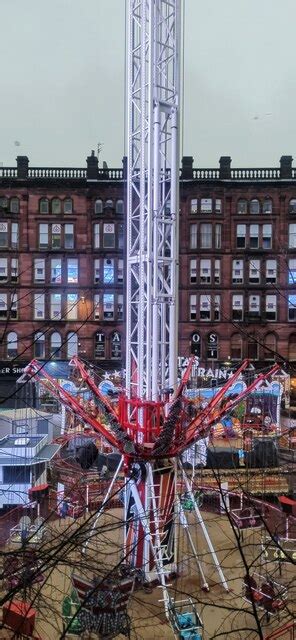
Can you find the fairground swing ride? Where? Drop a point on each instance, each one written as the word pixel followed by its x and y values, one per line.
pixel 149 424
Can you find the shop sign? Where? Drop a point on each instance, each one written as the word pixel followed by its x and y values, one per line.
pixel 203 372
pixel 13 369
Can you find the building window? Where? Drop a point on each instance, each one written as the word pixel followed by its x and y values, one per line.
pixel 3 270
pixel 72 270
pixel 68 205
pixel 120 236
pixel 108 306
pixel 270 346
pixel 218 236
pixel 192 305
pixel 100 345
pixel 193 205
pixel 43 236
pixel 270 307
pixel 18 475
pixel 292 205
pixel 3 202
pixel 204 307
pixel 39 306
pixel 206 205
pixel 109 236
pixel 72 345
pixel 98 206
pixel 13 306
pixel 109 204
pixel 39 270
pixel 205 271
pixel 56 207
pixel 119 207
pixel 14 235
pixel 193 236
pixel 55 306
pixel 267 236
pixel 237 271
pixel 292 236
pixel 56 236
pixel 255 206
pixel 237 307
pixel 56 270
pixel 292 271
pixel 11 345
pixel 205 236
pixel 236 347
pixel 97 270
pixel 254 236
pixel 71 306
pixel 196 344
pixel 192 271
pixel 291 307
pixel 116 346
pixel 254 306
pixel 253 348
pixel 217 273
pixel 254 271
pixel 212 346
pixel 69 236
pixel 108 274
pixel 120 306
pixel 240 236
pixel 120 268
pixel 55 345
pixel 96 306
pixel 43 205
pixel 14 270
pixel 218 205
pixel 3 234
pixel 217 307
pixel 242 206
pixel 97 235
pixel 14 205
pixel 39 345
pixel 267 206
pixel 271 271
pixel 3 306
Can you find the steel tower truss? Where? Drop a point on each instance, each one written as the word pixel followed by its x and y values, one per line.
pixel 152 195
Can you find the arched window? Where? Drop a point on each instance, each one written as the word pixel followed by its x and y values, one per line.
pixel 255 206
pixel 212 346
pixel 100 348
pixel 267 205
pixel 242 206
pixel 14 205
pixel 72 345
pixel 116 346
pixel 236 347
pixel 39 345
pixel 43 205
pixel 196 344
pixel 11 351
pixel 253 347
pixel 98 206
pixel 270 344
pixel 119 206
pixel 292 347
pixel 292 205
pixel 55 345
pixel 56 206
pixel 68 205
pixel 109 204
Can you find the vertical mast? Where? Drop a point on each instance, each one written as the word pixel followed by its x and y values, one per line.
pixel 153 70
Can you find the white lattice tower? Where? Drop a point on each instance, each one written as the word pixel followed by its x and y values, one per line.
pixel 153 66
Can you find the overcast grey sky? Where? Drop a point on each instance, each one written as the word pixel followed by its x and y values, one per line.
pixel 62 80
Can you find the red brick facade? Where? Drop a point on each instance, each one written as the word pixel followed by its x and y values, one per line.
pixel 237 247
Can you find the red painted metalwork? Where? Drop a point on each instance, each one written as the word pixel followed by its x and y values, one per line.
pixel 287 632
